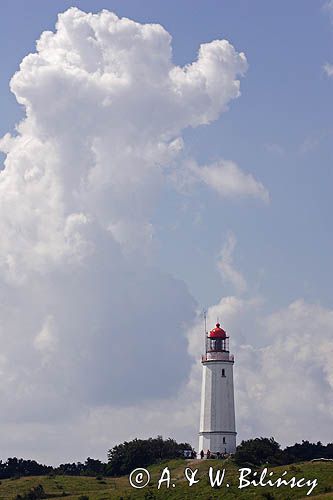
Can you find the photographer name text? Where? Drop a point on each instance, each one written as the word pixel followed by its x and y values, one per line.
pixel 140 478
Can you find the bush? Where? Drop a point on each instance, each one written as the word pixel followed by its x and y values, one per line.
pixel 34 494
pixel 268 496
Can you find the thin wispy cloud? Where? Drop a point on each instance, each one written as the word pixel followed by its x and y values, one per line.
pixel 230 181
pixel 328 68
pixel 227 268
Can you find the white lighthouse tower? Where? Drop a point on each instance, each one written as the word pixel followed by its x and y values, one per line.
pixel 217 419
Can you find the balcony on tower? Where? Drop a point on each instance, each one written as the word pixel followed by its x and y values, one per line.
pixel 217 346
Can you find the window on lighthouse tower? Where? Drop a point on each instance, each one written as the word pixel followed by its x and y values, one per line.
pixel 223 372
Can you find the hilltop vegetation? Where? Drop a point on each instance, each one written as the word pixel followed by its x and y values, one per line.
pixel 125 457
pixel 92 488
pixel 260 451
pixel 95 480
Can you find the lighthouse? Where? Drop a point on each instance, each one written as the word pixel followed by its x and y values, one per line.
pixel 217 419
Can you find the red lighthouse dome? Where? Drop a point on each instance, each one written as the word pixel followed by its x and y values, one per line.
pixel 217 333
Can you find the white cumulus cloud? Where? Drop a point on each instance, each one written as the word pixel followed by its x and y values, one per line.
pixel 87 321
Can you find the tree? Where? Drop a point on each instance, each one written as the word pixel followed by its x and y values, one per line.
pixel 93 467
pixel 259 451
pixel 125 457
pixel 307 451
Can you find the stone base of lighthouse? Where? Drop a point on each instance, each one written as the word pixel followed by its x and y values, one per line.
pixel 218 442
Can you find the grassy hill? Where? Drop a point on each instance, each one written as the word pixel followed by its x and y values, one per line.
pixel 71 488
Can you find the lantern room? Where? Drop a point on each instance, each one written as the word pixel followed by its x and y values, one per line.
pixel 217 340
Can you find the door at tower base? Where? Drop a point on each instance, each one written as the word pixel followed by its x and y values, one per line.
pixel 217 431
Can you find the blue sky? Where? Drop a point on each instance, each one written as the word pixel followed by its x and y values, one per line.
pixel 265 268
